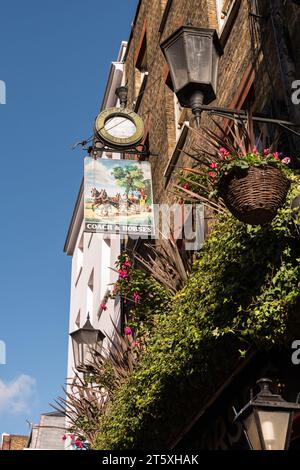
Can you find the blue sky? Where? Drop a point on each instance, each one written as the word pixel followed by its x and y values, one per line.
pixel 54 59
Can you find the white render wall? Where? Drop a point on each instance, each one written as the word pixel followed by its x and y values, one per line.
pixel 94 253
pixel 99 255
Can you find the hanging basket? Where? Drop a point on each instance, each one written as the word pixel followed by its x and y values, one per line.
pixel 254 195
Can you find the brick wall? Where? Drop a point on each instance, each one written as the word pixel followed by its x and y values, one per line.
pixel 13 442
pixel 157 103
pixel 235 70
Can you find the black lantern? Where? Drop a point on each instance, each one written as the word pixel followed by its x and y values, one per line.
pixel 84 341
pixel 122 93
pixel 267 419
pixel 192 55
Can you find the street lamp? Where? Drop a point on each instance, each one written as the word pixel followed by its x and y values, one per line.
pixel 122 93
pixel 267 419
pixel 84 341
pixel 193 55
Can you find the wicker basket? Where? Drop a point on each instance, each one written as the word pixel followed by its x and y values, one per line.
pixel 254 195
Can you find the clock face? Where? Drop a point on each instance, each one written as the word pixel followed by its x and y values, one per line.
pixel 118 127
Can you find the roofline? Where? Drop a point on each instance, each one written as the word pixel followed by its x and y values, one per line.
pixel 71 237
pixel 132 27
pixel 69 247
pixel 112 71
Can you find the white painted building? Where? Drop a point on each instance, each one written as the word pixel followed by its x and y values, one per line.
pixel 47 435
pixel 94 254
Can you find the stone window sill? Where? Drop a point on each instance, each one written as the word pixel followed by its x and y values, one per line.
pixel 229 21
pixel 176 153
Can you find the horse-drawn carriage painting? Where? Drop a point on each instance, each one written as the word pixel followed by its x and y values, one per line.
pixel 118 196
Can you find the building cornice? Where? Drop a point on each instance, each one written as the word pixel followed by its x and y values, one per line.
pixel 132 28
pixel 109 99
pixel 75 224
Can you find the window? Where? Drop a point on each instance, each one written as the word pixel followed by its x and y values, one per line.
pixel 141 71
pixel 77 321
pixel 165 8
pixel 79 258
pixel 224 8
pixel 90 295
pixel 180 115
pixel 90 240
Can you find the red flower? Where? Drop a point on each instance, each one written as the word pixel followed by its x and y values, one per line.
pixel 123 274
pixel 266 152
pixel 224 152
pixel 127 264
pixel 276 155
pixel 103 307
pixel 186 186
pixel 79 444
pixel 213 165
pixel 212 174
pixel 254 150
pixel 136 297
pixel 64 437
pixel 127 331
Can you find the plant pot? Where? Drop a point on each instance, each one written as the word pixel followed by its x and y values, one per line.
pixel 254 195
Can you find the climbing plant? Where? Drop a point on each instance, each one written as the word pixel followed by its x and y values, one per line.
pixel 243 293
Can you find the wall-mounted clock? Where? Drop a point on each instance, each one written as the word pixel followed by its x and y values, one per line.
pixel 119 127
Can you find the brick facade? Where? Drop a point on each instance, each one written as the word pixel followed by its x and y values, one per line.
pixel 243 64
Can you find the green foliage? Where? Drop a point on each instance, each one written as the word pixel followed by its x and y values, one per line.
pixel 145 298
pixel 243 293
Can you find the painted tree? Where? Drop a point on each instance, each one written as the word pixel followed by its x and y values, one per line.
pixel 129 177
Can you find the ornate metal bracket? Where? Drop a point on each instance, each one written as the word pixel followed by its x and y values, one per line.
pixel 235 114
pixel 140 151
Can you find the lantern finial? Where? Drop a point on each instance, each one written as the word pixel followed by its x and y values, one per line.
pixel 264 385
pixel 122 93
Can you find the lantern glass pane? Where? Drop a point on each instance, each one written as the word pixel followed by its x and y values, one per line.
pixel 198 52
pixel 274 426
pixel 215 63
pixel 252 432
pixel 84 342
pixel 87 354
pixel 177 63
pixel 75 346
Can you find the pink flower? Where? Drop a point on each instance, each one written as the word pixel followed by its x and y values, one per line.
pixel 72 436
pixel 266 152
pixel 127 330
pixel 79 444
pixel 186 186
pixel 286 160
pixel 224 152
pixel 103 307
pixel 254 150
pixel 123 274
pixel 136 297
pixel 64 437
pixel 127 264
pixel 276 155
pixel 213 165
pixel 211 174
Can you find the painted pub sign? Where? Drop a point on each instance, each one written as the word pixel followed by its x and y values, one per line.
pixel 118 196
